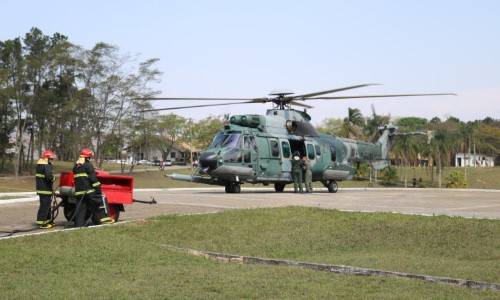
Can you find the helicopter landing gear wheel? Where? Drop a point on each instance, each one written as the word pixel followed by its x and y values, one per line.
pixel 333 187
pixel 279 187
pixel 233 188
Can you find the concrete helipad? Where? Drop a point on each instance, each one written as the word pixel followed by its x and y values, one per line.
pixel 15 215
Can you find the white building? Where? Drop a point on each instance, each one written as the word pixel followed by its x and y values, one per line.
pixel 474 160
pixel 178 153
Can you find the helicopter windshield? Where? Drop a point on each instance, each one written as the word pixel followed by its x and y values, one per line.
pixel 226 140
pixel 232 141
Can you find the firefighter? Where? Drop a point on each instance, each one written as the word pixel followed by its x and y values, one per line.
pixel 88 191
pixel 44 179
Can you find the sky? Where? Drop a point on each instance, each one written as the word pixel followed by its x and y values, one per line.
pixel 245 49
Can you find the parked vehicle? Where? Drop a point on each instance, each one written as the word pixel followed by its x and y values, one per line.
pixel 142 162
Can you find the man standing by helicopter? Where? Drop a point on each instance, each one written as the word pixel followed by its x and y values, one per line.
pixel 297 172
pixel 306 165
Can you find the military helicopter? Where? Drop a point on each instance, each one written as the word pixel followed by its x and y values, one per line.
pixel 258 148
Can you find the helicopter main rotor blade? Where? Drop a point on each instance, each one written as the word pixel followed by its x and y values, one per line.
pixel 333 91
pixel 301 104
pixel 181 99
pixel 380 96
pixel 194 106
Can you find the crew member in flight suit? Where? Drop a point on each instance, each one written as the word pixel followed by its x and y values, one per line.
pixel 297 172
pixel 306 165
pixel 88 191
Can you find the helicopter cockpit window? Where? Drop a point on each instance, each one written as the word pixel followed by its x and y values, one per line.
pixel 334 155
pixel 275 149
pixel 218 140
pixel 318 150
pixel 232 141
pixel 232 155
pixel 310 151
pixel 249 142
pixel 248 145
pixel 285 147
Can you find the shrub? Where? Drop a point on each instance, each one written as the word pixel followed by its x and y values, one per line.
pixel 456 180
pixel 390 174
pixel 363 170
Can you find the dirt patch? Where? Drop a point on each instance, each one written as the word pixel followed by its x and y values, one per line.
pixel 140 223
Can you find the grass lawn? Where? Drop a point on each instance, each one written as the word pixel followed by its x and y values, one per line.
pixel 130 260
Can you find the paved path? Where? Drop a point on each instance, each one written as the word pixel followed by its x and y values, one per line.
pixel 466 203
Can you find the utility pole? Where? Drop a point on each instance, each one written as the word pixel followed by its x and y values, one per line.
pixel 191 142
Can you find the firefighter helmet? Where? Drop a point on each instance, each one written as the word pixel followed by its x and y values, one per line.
pixel 86 153
pixel 48 154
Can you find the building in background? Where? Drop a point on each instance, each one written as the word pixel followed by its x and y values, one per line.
pixel 474 160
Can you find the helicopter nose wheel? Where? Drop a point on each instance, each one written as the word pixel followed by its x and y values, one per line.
pixel 333 187
pixel 279 187
pixel 233 188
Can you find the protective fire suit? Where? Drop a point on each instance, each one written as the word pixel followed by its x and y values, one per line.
pixel 44 179
pixel 88 193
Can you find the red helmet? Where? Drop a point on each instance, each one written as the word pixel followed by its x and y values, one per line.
pixel 48 154
pixel 86 153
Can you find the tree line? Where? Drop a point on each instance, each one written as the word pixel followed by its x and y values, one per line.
pixel 57 95
pixel 435 140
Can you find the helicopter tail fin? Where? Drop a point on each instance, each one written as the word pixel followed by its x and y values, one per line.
pixel 386 139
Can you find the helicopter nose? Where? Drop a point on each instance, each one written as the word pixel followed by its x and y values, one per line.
pixel 208 161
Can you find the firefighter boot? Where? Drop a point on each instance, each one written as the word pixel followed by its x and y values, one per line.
pixel 47 226
pixel 104 211
pixel 107 220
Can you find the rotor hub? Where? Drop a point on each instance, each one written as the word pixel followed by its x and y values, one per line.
pixel 281 92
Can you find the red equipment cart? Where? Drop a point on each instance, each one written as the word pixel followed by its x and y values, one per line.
pixel 117 189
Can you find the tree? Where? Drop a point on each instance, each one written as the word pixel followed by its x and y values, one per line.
pixel 106 87
pixel 412 123
pixel 435 120
pixel 331 126
pixel 7 113
pixel 170 130
pixel 27 65
pixel 205 130
pixel 373 123
pixel 58 95
pixel 353 123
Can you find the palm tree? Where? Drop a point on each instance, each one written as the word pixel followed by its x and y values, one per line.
pixel 442 147
pixel 372 124
pixel 353 123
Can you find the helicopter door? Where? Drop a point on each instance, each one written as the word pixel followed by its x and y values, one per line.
pixel 286 165
pixel 248 149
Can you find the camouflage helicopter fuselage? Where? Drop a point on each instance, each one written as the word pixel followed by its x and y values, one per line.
pixel 258 148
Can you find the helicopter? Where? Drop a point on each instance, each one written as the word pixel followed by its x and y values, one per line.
pixel 257 149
